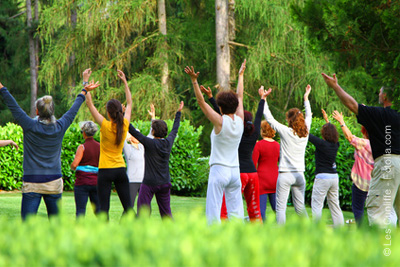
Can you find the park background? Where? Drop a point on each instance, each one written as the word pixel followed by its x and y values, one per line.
pixel 46 44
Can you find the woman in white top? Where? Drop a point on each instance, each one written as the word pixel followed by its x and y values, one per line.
pixel 291 162
pixel 225 138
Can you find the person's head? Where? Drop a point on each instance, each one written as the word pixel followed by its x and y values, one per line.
pixel 227 101
pixel 296 121
pixel 89 128
pixel 45 108
pixel 114 110
pixel 329 133
pixel 266 130
pixel 160 128
pixel 248 123
pixel 385 95
pixel 364 132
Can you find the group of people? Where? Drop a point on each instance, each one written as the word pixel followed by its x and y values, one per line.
pixel 261 171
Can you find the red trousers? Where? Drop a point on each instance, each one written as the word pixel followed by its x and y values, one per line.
pixel 250 190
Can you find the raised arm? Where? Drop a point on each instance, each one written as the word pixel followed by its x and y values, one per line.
pixel 8 142
pixel 95 113
pixel 344 97
pixel 307 106
pixel 213 116
pixel 152 113
pixel 267 113
pixel 239 91
pixel 259 113
pixel 175 127
pixel 346 131
pixel 208 93
pixel 78 157
pixel 128 96
pixel 325 116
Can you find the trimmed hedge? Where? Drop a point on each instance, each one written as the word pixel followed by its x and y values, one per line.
pixel 187 167
pixel 188 241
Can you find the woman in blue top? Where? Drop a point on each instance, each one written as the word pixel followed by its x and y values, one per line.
pixel 43 137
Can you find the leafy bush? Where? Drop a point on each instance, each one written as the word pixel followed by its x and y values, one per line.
pixel 188 241
pixel 344 160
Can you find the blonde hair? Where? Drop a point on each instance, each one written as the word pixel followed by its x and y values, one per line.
pixel 45 107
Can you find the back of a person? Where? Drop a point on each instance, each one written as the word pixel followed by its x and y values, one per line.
pixel 246 147
pixel 91 155
pixel 157 162
pixel 325 157
pixel 110 153
pixel 268 164
pixel 224 146
pixel 134 161
pixel 292 151
pixel 363 165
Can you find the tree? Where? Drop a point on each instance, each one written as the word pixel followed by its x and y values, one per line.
pixel 222 46
pixel 33 51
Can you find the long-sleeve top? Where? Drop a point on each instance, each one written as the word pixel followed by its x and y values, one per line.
pixel 363 163
pixel 325 155
pixel 42 142
pixel 157 153
pixel 293 147
pixel 248 142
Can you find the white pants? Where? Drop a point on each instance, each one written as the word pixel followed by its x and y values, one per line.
pixel 296 182
pixel 329 188
pixel 224 179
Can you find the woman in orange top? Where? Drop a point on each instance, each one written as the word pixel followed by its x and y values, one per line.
pixel 112 168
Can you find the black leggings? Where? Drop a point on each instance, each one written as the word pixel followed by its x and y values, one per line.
pixel 104 180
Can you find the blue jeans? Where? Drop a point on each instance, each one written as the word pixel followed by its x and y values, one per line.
pixel 263 203
pixel 31 201
pixel 82 193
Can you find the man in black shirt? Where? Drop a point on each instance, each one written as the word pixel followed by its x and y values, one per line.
pixel 383 126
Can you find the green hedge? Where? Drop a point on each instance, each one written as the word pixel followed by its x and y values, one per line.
pixel 188 170
pixel 188 241
pixel 344 160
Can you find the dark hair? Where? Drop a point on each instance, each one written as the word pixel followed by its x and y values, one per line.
pixel 266 130
pixel 248 123
pixel 227 101
pixel 329 133
pixel 389 92
pixel 160 128
pixel 114 109
pixel 297 122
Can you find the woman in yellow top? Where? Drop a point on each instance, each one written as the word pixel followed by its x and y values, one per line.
pixel 112 168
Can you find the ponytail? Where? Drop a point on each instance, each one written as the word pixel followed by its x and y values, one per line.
pixel 114 108
pixel 248 124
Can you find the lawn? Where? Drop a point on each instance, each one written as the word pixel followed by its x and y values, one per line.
pixel 10 203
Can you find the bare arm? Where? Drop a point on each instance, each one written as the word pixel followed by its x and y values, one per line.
pixel 239 91
pixel 213 116
pixel 346 131
pixel 128 96
pixel 95 113
pixel 324 115
pixel 307 107
pixel 8 142
pixel 344 97
pixel 78 157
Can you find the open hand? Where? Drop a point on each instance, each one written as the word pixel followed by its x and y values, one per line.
pixel 324 115
pixel 180 106
pixel 91 86
pixel 122 76
pixel 264 93
pixel 86 74
pixel 242 68
pixel 13 144
pixel 190 71
pixel 338 116
pixel 152 112
pixel 330 81
pixel 208 91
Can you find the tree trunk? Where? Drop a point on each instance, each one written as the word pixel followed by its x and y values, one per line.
pixel 74 19
pixel 222 46
pixel 232 30
pixel 32 58
pixel 162 24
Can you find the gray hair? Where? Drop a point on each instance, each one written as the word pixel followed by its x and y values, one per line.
pixel 89 128
pixel 45 107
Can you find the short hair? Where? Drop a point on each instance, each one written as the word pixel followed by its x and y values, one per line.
pixel 228 101
pixel 248 123
pixel 266 130
pixel 329 133
pixel 89 128
pixel 160 128
pixel 389 91
pixel 45 107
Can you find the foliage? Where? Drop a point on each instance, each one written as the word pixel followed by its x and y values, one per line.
pixel 188 170
pixel 367 40
pixel 344 160
pixel 189 241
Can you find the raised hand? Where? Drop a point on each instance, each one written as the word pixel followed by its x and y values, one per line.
pixel 1 85
pixel 86 74
pixel 338 116
pixel 242 68
pixel 330 81
pixel 207 92
pixel 152 112
pixel 264 93
pixel 180 106
pixel 308 91
pixel 91 86
pixel 122 76
pixel 324 115
pixel 190 71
